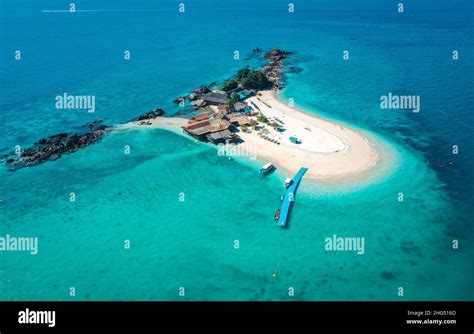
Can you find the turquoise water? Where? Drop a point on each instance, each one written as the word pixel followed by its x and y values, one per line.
pixel 190 243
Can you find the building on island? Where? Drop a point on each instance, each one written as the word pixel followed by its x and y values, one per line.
pixel 215 98
pixel 198 118
pixel 238 119
pixel 219 126
pixel 202 129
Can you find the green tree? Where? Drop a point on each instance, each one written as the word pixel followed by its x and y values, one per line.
pixel 263 119
pixel 255 80
pixel 229 85
pixel 234 98
pixel 242 73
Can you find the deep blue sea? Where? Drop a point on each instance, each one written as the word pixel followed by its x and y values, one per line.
pixel 190 244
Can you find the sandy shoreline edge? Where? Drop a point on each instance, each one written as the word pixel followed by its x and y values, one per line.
pixel 331 151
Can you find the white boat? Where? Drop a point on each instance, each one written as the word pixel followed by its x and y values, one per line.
pixel 288 181
pixel 266 168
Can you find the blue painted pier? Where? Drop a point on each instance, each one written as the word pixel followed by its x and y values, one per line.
pixel 290 197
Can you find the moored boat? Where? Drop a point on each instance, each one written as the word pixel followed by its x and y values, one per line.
pixel 277 215
pixel 268 167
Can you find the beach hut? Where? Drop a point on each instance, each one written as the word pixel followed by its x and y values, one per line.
pixel 238 119
pixel 201 129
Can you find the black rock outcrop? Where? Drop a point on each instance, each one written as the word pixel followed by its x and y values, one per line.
pixel 53 147
pixel 274 69
pixel 155 113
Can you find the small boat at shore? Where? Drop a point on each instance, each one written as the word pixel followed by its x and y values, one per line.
pixel 277 215
pixel 268 167
pixel 288 181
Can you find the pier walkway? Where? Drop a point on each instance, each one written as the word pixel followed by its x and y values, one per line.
pixel 290 197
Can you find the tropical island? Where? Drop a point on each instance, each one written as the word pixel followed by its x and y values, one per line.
pixel 243 110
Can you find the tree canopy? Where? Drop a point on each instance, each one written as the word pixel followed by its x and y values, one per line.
pixel 234 98
pixel 229 85
pixel 252 79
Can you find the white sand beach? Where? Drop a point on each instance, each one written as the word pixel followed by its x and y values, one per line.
pixel 329 150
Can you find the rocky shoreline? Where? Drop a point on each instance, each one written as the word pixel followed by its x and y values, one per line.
pixel 273 71
pixel 53 147
pixel 147 117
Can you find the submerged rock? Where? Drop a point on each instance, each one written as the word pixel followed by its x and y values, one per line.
pixel 276 55
pixel 387 275
pixel 294 69
pixel 179 99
